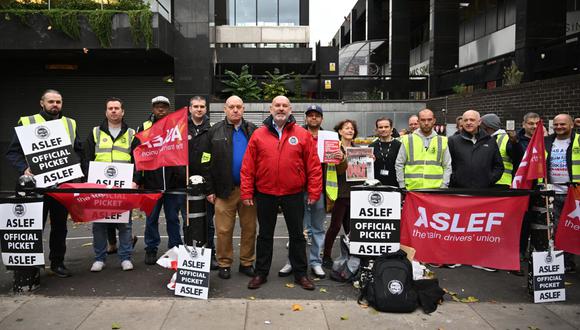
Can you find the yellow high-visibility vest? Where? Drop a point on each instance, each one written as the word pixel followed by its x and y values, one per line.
pixel 576 159
pixel 424 167
pixel 117 151
pixel 508 167
pixel 331 182
pixel 69 124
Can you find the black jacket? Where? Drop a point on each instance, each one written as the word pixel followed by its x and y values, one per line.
pixel 174 175
pixel 218 171
pixel 548 142
pixel 89 146
pixel 386 161
pixel 197 139
pixel 476 165
pixel 16 157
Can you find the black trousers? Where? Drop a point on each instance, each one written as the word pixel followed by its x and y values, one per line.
pixel 58 230
pixel 293 210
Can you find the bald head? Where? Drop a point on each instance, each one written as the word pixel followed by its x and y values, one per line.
pixel 471 121
pixel 234 109
pixel 563 124
pixel 280 109
pixel 413 123
pixel 426 121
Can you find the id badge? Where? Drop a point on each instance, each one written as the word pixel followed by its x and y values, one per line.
pixel 384 172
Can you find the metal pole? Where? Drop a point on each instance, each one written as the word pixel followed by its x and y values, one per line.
pixel 48 4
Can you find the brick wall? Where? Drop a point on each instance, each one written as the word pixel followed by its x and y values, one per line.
pixel 546 97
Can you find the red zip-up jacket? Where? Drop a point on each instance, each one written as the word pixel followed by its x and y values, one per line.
pixel 283 166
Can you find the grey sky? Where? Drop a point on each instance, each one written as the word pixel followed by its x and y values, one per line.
pixel 326 16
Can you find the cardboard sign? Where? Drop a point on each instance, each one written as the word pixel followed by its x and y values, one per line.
pixel 360 164
pixel 21 232
pixel 49 153
pixel 118 175
pixel 375 225
pixel 546 279
pixel 193 272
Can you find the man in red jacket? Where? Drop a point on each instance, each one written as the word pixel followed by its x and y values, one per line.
pixel 281 162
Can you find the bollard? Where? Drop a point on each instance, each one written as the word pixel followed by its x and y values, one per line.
pixel 197 228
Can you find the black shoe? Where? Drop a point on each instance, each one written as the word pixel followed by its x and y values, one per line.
pixel 247 270
pixel 214 264
pixel 225 273
pixel 518 272
pixel 327 262
pixel 60 271
pixel 150 257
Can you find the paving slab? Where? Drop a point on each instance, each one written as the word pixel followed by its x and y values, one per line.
pixel 568 313
pixel 520 316
pixel 449 315
pixel 128 314
pixel 207 314
pixel 9 304
pixel 49 313
pixel 350 315
pixel 278 314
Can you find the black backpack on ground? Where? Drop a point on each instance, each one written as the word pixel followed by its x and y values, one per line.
pixel 389 286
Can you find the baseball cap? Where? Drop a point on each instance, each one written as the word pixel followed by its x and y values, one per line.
pixel 314 107
pixel 160 99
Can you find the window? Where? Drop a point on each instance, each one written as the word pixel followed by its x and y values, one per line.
pixel 289 12
pixel 245 12
pixel 267 12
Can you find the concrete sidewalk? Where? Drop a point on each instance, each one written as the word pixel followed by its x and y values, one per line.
pixel 37 312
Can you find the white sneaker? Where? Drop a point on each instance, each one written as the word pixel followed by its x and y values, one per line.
pixel 317 271
pixel 97 266
pixel 484 268
pixel 286 270
pixel 127 265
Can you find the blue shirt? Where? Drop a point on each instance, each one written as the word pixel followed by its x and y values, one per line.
pixel 240 143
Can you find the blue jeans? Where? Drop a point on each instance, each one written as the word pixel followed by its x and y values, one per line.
pixel 314 216
pixel 125 240
pixel 172 204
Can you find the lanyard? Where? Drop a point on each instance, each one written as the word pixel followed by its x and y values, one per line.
pixel 384 155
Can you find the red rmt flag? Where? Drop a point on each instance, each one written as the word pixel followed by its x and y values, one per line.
pixel 533 165
pixel 164 144
pixel 568 232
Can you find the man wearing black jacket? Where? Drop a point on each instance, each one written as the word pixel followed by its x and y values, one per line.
pixel 475 158
pixel 198 127
pixel 226 145
pixel 165 178
pixel 50 109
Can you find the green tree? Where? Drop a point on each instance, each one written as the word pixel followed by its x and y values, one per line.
pixel 242 85
pixel 275 86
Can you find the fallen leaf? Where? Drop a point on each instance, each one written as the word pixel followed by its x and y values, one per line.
pixel 267 322
pixel 343 317
pixel 115 325
pixel 568 283
pixel 297 308
pixel 49 28
pixel 373 311
pixel 87 244
pixel 470 299
pixel 323 290
pixel 252 298
pixel 531 327
pixel 290 285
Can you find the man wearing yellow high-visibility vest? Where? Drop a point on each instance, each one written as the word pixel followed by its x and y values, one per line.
pixel 50 109
pixel 562 159
pixel 509 149
pixel 112 141
pixel 423 161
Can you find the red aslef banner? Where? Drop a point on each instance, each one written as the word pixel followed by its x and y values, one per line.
pixel 459 229
pixel 164 143
pixel 85 207
pixel 568 232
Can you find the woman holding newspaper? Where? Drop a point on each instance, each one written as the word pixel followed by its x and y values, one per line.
pixel 347 131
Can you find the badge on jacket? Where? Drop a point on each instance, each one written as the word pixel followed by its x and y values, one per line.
pixel 293 140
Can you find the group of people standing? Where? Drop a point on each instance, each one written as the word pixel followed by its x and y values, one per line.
pixel 251 173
